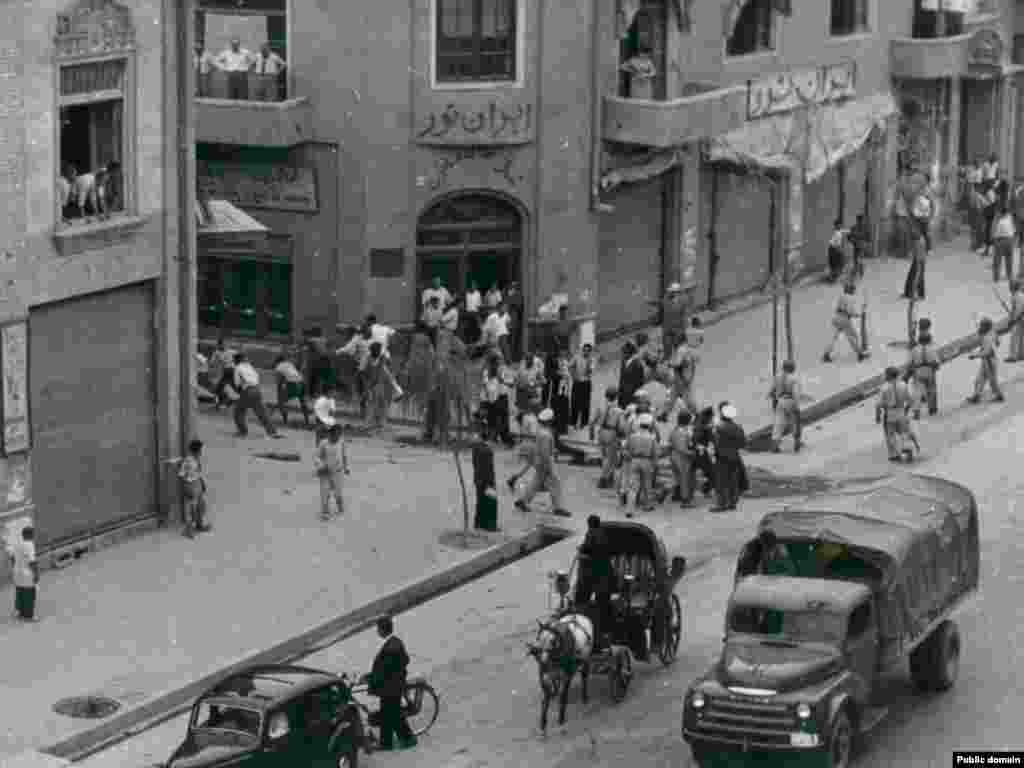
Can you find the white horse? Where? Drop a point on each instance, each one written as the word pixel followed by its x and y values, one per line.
pixel 562 647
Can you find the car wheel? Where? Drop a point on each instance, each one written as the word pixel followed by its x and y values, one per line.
pixel 945 656
pixel 840 742
pixel 347 758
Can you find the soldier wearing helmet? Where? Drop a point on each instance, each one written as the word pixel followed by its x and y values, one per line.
pixel 606 426
pixel 643 448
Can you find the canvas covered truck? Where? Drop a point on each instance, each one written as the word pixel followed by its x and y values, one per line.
pixel 829 598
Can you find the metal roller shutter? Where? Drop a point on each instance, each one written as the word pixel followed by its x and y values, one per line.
pixel 630 256
pixel 742 232
pixel 821 207
pixel 91 377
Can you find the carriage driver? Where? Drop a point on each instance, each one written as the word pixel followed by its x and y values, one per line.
pixel 595 574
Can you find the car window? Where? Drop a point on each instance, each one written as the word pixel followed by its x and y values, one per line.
pixel 227 718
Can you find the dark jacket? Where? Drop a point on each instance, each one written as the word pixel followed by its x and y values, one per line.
pixel 483 466
pixel 387 676
pixel 594 553
pixel 633 377
pixel 729 440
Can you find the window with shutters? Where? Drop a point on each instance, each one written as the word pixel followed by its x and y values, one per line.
pixel 754 31
pixel 476 41
pixel 849 17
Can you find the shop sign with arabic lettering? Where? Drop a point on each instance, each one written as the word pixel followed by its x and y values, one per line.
pixel 492 122
pixel 792 90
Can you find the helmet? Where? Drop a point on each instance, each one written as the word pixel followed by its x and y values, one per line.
pixel 645 420
pixel 546 415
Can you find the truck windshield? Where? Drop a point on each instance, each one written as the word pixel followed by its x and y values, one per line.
pixel 803 626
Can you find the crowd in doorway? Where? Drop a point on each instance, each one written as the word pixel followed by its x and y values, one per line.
pixel 88 195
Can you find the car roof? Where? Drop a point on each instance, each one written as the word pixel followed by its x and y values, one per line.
pixel 787 593
pixel 268 685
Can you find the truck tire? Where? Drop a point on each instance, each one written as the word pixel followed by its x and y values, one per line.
pixel 839 750
pixel 935 664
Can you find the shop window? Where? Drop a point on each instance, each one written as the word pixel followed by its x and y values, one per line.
pixel 240 295
pixel 248 72
pixel 475 41
pixel 92 180
pixel 849 17
pixel 754 31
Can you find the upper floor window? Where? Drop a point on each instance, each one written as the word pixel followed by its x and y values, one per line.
pixel 94 49
pixel 476 41
pixel 849 17
pixel 754 30
pixel 241 50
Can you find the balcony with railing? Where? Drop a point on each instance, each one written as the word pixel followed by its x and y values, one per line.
pixel 950 38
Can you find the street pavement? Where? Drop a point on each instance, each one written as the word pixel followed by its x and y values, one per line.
pixel 470 643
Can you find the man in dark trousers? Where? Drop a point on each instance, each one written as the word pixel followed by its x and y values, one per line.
pixel 729 471
pixel 595 574
pixel 387 682
pixel 483 479
pixel 633 375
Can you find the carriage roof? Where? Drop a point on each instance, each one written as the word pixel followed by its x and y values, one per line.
pixel 626 538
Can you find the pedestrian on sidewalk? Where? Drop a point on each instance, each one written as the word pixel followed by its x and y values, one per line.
pixel 486 518
pixel 922 368
pixel 543 461
pixel 643 450
pixel 582 386
pixel 843 324
pixel 730 439
pixel 387 680
pixel 633 374
pixel 922 212
pixel 473 303
pixel 681 455
pixel 1016 322
pixel 988 373
pixel 1004 236
pixel 561 396
pixel 250 396
pixel 675 312
pixel 330 463
pixel 640 406
pixel 222 373
pixel 495 406
pixel 891 409
pixel 606 424
pixel 25 573
pixel 194 490
pixel 358 348
pixel 836 244
pixel 704 445
pixel 860 239
pixel 684 368
pixel 785 397
pixel 528 385
pixel 913 286
pixel 381 388
pixel 290 386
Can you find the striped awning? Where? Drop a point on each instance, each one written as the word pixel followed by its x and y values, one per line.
pixel 219 217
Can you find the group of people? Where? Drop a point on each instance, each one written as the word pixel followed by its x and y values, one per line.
pixel 237 62
pixel 97 193
pixel 489 320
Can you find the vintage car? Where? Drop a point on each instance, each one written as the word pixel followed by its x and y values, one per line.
pixel 274 715
pixel 829 598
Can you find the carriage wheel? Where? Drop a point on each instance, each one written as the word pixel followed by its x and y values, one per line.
pixel 672 634
pixel 621 674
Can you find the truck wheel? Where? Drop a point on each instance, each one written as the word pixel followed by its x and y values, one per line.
pixel 840 742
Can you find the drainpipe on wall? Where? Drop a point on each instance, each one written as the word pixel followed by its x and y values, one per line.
pixel 186 217
pixel 596 113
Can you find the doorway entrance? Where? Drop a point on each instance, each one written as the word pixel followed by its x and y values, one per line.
pixel 469 239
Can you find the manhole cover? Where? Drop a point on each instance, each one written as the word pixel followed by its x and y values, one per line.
pixel 279 456
pixel 92 707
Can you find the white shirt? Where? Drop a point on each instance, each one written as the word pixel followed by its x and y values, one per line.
pixel 837 239
pixel 381 334
pixel 989 171
pixel 1004 227
pixel 271 65
pixel 450 320
pixel 359 347
pixel 203 62
pixel 288 370
pixel 441 293
pixel 83 189
pixel 495 326
pixel 493 297
pixel 24 553
pixel 922 207
pixel 246 376
pixel 473 301
pixel 230 61
pixel 974 175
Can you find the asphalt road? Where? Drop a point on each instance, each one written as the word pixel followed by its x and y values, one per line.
pixel 471 643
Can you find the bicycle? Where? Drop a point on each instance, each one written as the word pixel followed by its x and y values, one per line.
pixel 420 706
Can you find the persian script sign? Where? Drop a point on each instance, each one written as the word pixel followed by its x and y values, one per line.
pixel 792 90
pixel 494 123
pixel 14 354
pixel 261 186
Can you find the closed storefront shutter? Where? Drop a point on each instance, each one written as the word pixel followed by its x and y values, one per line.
pixel 742 232
pixel 857 169
pixel 93 412
pixel 630 258
pixel 821 207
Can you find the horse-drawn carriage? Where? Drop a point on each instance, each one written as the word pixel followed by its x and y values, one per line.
pixel 643 618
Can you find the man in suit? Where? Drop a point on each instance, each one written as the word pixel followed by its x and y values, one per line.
pixel 386 681
pixel 633 375
pixel 595 575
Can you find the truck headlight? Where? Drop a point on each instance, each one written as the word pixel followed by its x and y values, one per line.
pixel 803 711
pixel 697 700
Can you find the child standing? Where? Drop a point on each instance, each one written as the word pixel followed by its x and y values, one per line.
pixel 681 451
pixel 25 573
pixel 194 490
pixel 330 462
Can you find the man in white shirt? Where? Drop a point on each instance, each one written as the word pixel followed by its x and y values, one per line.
pixel 290 386
pixel 380 333
pixel 473 302
pixel 990 169
pixel 436 290
pixel 83 197
pixel 493 296
pixel 359 348
pixel 271 66
pixel 496 330
pixel 247 383
pixel 473 298
pixel 450 318
pixel 25 573
pixel 236 61
pixel 203 62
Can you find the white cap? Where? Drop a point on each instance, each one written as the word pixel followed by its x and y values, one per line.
pixel 675 288
pixel 546 415
pixel 323 409
pixel 641 394
pixel 645 420
pixel 729 412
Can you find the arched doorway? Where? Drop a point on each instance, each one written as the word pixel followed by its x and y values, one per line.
pixel 469 238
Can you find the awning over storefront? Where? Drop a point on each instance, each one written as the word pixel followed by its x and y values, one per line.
pixel 221 218
pixel 633 170
pixel 832 132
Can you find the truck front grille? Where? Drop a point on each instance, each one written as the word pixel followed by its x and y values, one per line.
pixel 746 722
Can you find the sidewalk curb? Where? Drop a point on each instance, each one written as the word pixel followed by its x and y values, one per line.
pixel 175 701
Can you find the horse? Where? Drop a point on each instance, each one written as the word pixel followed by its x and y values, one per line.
pixel 562 648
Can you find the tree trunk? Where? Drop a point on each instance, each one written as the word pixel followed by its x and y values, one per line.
pixel 790 352
pixel 462 481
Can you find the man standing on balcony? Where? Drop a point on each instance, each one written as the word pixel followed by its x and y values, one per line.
pixel 270 67
pixel 236 62
pixel 203 62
